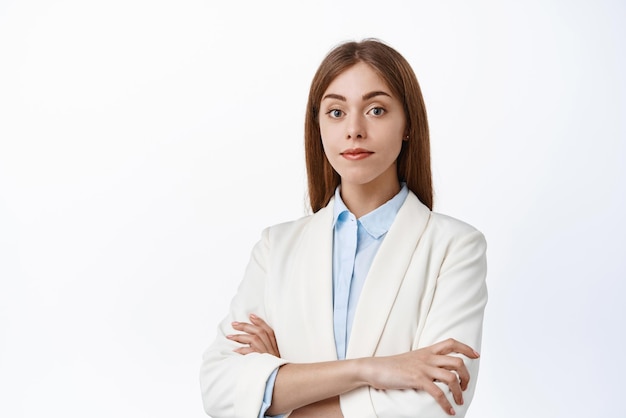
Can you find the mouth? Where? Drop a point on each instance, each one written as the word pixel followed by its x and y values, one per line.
pixel 356 153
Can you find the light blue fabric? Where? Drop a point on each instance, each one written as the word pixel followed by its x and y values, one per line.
pixel 267 397
pixel 355 243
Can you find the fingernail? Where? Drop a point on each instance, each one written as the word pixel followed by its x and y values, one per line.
pixel 452 411
pixel 253 316
pixel 235 323
pixel 476 353
pixel 230 337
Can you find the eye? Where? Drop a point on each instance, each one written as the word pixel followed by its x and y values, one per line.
pixel 377 111
pixel 335 113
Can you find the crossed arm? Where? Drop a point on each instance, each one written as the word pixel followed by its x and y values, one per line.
pixel 434 370
pixel 313 389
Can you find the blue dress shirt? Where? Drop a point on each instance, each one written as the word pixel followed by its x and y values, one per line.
pixel 355 243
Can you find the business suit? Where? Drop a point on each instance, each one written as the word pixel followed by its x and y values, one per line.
pixel 426 284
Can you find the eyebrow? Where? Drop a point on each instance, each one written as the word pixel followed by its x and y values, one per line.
pixel 374 94
pixel 366 96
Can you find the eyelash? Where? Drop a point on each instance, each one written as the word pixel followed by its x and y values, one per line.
pixel 332 111
pixel 379 108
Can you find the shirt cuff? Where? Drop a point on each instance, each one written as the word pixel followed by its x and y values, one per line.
pixel 267 397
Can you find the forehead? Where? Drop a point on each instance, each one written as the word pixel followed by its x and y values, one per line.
pixel 359 78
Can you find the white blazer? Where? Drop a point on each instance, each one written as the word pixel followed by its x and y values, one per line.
pixel 426 284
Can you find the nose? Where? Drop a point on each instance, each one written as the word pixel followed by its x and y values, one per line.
pixel 356 127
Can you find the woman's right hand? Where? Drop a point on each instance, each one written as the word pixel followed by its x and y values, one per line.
pixel 419 369
pixel 257 334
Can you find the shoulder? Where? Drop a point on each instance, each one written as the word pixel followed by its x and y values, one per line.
pixel 448 240
pixel 456 235
pixel 286 232
pixel 448 225
pixel 442 227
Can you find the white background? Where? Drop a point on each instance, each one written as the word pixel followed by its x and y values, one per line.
pixel 144 145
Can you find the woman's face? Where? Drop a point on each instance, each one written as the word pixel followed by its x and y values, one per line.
pixel 362 126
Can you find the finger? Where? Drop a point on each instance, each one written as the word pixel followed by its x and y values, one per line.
pixel 254 331
pixel 244 350
pixel 453 346
pixel 440 397
pixel 245 326
pixel 240 338
pixel 253 344
pixel 253 341
pixel 258 321
pixel 450 379
pixel 455 364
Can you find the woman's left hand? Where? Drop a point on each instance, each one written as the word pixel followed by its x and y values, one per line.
pixel 258 336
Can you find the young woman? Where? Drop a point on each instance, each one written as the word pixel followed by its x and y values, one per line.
pixel 373 305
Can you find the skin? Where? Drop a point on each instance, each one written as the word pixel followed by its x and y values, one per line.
pixel 362 126
pixel 358 111
pixel 312 389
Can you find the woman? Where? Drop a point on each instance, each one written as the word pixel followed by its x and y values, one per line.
pixel 373 305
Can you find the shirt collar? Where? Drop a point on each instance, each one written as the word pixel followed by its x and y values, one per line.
pixel 378 221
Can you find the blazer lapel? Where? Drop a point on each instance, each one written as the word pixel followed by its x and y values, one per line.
pixel 312 271
pixel 385 277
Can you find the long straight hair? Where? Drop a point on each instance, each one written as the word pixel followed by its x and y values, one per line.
pixel 414 159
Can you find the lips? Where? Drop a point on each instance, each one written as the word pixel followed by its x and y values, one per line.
pixel 356 154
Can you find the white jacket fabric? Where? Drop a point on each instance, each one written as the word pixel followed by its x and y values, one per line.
pixel 426 284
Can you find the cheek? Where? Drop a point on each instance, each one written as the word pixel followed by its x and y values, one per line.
pixel 327 137
pixel 393 148
pixel 325 144
pixel 324 129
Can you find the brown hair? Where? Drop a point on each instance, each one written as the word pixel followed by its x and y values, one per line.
pixel 414 159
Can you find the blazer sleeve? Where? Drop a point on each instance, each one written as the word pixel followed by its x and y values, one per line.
pixel 232 384
pixel 456 311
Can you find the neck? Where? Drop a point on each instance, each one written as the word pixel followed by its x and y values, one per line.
pixel 361 199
